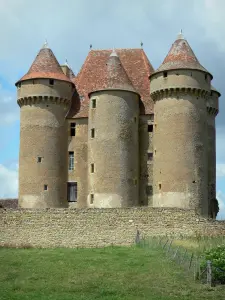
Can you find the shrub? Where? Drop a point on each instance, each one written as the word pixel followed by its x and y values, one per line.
pixel 217 257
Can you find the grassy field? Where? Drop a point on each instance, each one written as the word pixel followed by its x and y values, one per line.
pixel 110 273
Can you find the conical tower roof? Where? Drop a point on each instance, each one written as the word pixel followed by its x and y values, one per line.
pixel 45 65
pixel 181 56
pixel 115 76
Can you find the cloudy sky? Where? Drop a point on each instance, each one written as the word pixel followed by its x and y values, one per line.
pixel 70 26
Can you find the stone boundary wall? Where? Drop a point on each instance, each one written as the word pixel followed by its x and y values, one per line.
pixel 98 227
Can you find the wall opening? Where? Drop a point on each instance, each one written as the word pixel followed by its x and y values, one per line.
pixel 45 187
pixel 164 74
pixel 71 160
pixel 135 119
pixel 39 159
pixel 150 127
pixel 91 198
pixel 92 133
pixel 150 156
pixel 92 168
pixel 160 186
pixel 72 191
pixel 72 129
pixel 93 103
pixel 51 81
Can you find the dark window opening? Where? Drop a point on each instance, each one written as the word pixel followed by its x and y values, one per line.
pixel 72 191
pixel 39 159
pixel 164 74
pixel 135 119
pixel 193 181
pixel 149 190
pixel 45 187
pixel 92 168
pixel 71 160
pixel 150 156
pixel 92 199
pixel 19 85
pixel 51 81
pixel 92 132
pixel 206 77
pixel 93 103
pixel 150 128
pixel 160 186
pixel 72 129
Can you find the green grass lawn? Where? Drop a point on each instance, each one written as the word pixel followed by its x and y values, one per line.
pixel 109 273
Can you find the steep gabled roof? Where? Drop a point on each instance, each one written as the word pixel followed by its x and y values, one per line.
pixel 89 79
pixel 181 56
pixel 45 65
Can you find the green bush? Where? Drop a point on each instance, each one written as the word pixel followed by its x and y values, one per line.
pixel 217 257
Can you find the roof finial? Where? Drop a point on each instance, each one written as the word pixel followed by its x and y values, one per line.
pixel 66 63
pixel 90 46
pixel 142 44
pixel 113 52
pixel 180 35
pixel 45 44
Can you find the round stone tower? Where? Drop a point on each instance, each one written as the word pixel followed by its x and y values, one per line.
pixel 44 96
pixel 113 146
pixel 212 109
pixel 179 89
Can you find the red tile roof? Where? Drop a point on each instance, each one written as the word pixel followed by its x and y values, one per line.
pixel 89 79
pixel 45 65
pixel 180 56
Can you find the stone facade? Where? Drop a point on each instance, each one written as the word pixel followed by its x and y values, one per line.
pixel 99 227
pixel 149 139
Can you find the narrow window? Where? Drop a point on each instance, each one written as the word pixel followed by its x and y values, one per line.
pixel 206 77
pixel 155 152
pixel 135 119
pixel 149 190
pixel 92 199
pixel 92 132
pixel 51 81
pixel 72 191
pixel 39 159
pixel 72 129
pixel 45 187
pixel 71 160
pixel 93 102
pixel 150 128
pixel 150 156
pixel 164 74
pixel 92 168
pixel 160 186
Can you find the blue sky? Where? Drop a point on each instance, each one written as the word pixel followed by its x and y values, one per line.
pixel 70 26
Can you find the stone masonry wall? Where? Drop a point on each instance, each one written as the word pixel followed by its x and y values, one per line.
pixel 98 227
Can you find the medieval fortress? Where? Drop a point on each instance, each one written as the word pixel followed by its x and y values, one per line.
pixel 119 134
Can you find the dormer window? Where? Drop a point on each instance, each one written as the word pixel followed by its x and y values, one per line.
pixel 164 74
pixel 51 81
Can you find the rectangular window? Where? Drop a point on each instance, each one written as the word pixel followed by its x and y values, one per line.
pixel 72 191
pixel 92 168
pixel 160 186
pixel 91 198
pixel 92 132
pixel 45 187
pixel 93 103
pixel 150 128
pixel 164 74
pixel 51 81
pixel 71 160
pixel 149 190
pixel 39 159
pixel 72 129
pixel 150 156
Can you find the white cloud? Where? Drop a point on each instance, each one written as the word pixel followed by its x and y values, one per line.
pixel 8 182
pixel 221 199
pixel 9 111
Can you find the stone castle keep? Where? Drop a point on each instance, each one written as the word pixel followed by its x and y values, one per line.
pixel 119 133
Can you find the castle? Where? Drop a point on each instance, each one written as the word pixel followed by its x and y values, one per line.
pixel 119 134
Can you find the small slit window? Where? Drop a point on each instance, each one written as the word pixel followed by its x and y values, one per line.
pixel 206 77
pixel 45 187
pixel 92 168
pixel 150 128
pixel 71 160
pixel 39 159
pixel 72 129
pixel 160 186
pixel 51 81
pixel 150 156
pixel 92 198
pixel 93 103
pixel 164 74
pixel 92 133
